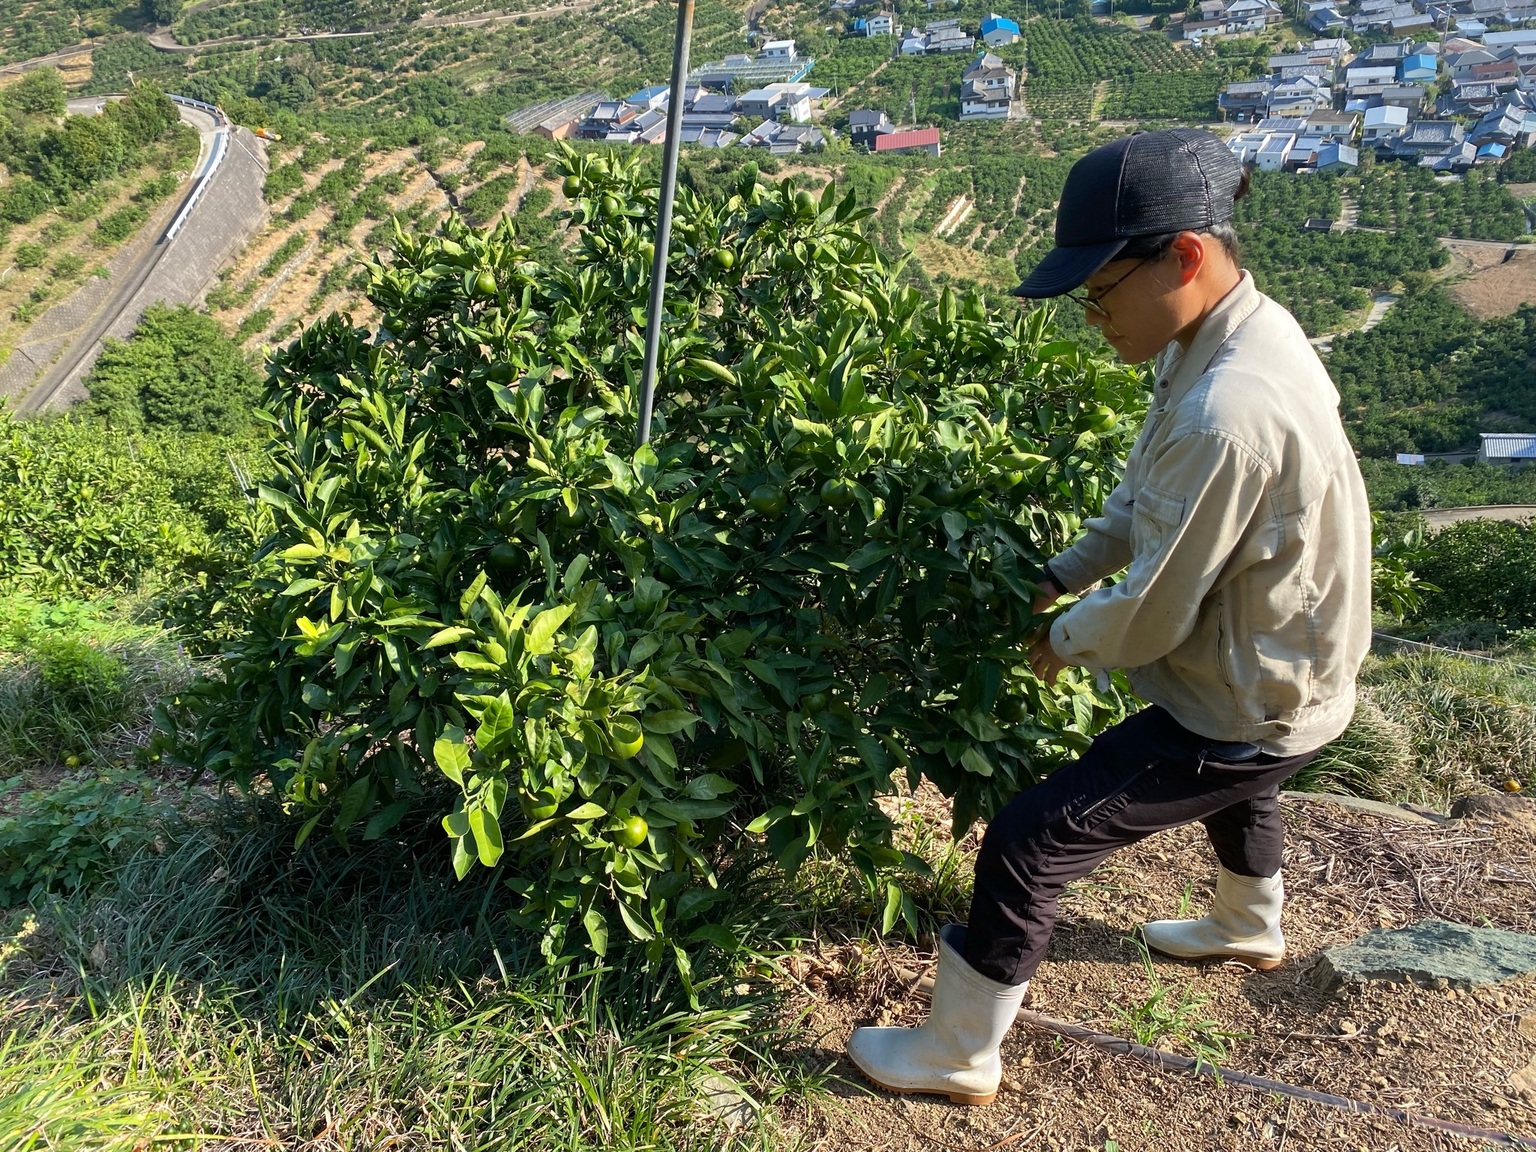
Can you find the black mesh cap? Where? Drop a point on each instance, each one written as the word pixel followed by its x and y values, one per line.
pixel 1145 184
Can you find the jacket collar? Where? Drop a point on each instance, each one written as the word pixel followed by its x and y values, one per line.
pixel 1178 370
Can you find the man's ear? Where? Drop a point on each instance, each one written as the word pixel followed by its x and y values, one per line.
pixel 1189 249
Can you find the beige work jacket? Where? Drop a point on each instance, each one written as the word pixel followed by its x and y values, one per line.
pixel 1242 524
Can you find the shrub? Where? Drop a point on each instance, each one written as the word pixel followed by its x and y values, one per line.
pixel 177 370
pixel 65 837
pixel 117 226
pixel 84 509
pixel 1483 570
pixel 817 575
pixel 30 255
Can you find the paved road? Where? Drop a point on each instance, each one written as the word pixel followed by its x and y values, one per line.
pixel 1380 306
pixel 47 366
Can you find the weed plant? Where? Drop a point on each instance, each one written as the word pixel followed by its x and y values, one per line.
pixel 77 681
pixel 1171 1017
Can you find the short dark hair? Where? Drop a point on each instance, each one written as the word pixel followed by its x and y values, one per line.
pixel 1154 246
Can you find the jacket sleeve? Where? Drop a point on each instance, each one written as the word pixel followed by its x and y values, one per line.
pixel 1104 547
pixel 1191 510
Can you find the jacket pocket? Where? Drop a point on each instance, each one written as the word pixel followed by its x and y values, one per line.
pixel 1156 515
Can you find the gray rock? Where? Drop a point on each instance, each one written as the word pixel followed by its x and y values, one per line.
pixel 1405 813
pixel 1433 952
pixel 724 1100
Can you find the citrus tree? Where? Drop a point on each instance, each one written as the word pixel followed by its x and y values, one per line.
pixel 816 579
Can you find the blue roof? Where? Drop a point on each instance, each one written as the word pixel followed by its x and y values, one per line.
pixel 1491 150
pixel 1422 60
pixel 645 95
pixel 999 24
pixel 860 24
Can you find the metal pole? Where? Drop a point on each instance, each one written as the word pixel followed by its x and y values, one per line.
pixel 664 216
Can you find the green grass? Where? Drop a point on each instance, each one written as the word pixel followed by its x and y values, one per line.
pixel 78 681
pixel 1431 727
pixel 226 989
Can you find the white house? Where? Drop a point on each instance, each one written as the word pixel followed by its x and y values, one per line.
pixel 987 89
pixel 1365 78
pixel 999 31
pixel 1275 152
pixel 882 24
pixel 778 50
pixel 1383 125
pixel 1245 145
pixel 1251 15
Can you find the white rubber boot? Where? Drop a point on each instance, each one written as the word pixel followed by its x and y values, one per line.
pixel 1244 924
pixel 954 1052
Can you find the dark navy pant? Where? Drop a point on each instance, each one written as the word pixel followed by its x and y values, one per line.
pixel 1146 774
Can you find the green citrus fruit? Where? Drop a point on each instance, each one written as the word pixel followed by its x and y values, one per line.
pixel 631 834
pixel 786 260
pixel 571 187
pixel 767 499
pixel 625 736
pixel 485 284
pixel 725 259
pixel 814 702
pixel 838 493
pixel 71 761
pixel 1104 418
pixel 804 200
pixel 540 806
pixel 610 204
pixel 505 555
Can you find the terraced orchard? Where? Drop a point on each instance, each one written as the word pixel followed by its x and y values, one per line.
pixel 411 74
pixel 1072 61
pixel 335 200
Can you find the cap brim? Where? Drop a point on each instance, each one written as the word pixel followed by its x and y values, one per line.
pixel 1066 268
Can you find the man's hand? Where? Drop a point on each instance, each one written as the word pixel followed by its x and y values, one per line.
pixel 1043 660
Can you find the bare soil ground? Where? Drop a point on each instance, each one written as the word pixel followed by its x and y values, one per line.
pixel 1496 288
pixel 1440 517
pixel 938 256
pixel 1431 1051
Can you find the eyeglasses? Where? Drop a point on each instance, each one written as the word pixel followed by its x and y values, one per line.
pixel 1092 303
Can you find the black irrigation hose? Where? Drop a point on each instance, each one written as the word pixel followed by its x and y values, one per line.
pixel 1178 1063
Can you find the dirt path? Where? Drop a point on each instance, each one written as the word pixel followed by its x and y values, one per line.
pixel 165 40
pixel 1380 306
pixel 1440 517
pixel 1453 1055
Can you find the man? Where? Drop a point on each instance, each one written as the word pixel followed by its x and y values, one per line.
pixel 1242 617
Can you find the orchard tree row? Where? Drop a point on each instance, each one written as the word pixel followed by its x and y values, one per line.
pixel 1430 376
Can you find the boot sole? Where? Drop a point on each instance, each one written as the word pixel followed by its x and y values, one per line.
pixel 954 1097
pixel 1263 964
